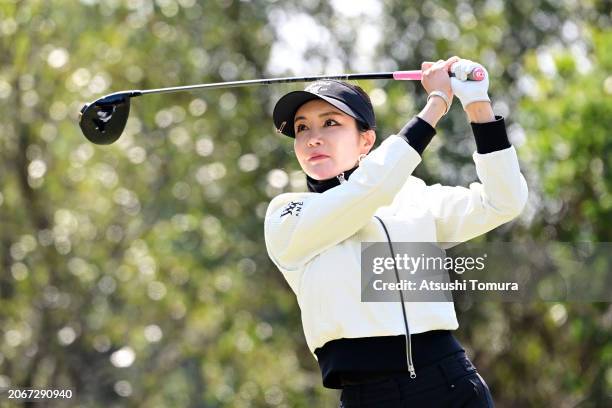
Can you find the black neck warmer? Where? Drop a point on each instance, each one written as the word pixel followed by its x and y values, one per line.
pixel 319 186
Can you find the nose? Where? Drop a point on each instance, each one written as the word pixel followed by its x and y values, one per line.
pixel 314 139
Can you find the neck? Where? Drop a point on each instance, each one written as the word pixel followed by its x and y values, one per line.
pixel 319 186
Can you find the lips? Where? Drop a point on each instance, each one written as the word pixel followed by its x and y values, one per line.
pixel 315 157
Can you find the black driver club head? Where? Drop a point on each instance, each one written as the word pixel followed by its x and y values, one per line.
pixel 103 120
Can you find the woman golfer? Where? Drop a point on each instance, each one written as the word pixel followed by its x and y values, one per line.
pixel 378 353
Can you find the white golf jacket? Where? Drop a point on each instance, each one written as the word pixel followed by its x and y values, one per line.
pixel 314 238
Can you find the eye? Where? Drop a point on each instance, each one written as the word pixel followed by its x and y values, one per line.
pixel 330 120
pixel 299 127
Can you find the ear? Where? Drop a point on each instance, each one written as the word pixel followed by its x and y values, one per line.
pixel 367 140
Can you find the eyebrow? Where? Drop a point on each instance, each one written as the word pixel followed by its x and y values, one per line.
pixel 330 113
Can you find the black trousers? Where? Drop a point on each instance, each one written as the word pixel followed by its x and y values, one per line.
pixel 451 382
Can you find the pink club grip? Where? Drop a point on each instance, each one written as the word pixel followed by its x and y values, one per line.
pixel 416 75
pixel 478 74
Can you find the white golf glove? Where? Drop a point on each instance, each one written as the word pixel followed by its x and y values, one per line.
pixel 469 91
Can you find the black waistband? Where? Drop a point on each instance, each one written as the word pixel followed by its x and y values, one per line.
pixel 361 359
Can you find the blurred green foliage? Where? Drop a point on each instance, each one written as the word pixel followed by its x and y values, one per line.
pixel 136 274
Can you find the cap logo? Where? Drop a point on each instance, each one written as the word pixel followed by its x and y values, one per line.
pixel 317 88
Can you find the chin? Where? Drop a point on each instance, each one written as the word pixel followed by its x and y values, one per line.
pixel 322 174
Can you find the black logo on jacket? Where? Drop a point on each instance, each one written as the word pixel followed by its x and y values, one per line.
pixel 293 208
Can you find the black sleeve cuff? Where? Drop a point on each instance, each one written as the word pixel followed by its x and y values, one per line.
pixel 418 133
pixel 490 136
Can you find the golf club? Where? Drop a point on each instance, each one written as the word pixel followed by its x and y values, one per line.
pixel 103 120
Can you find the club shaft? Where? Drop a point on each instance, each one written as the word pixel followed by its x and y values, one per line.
pixel 233 84
pixel 414 75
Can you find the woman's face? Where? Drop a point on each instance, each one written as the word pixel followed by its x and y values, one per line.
pixel 327 141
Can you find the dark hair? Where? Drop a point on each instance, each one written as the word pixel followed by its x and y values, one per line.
pixel 361 126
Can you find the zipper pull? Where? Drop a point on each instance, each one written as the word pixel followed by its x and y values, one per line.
pixel 341 178
pixel 412 371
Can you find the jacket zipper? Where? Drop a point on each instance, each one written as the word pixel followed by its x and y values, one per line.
pixel 341 178
pixel 410 364
pixel 408 339
pixel 408 334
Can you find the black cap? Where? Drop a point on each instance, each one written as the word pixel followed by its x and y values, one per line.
pixel 337 93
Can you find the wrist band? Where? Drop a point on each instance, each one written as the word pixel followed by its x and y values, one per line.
pixel 444 98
